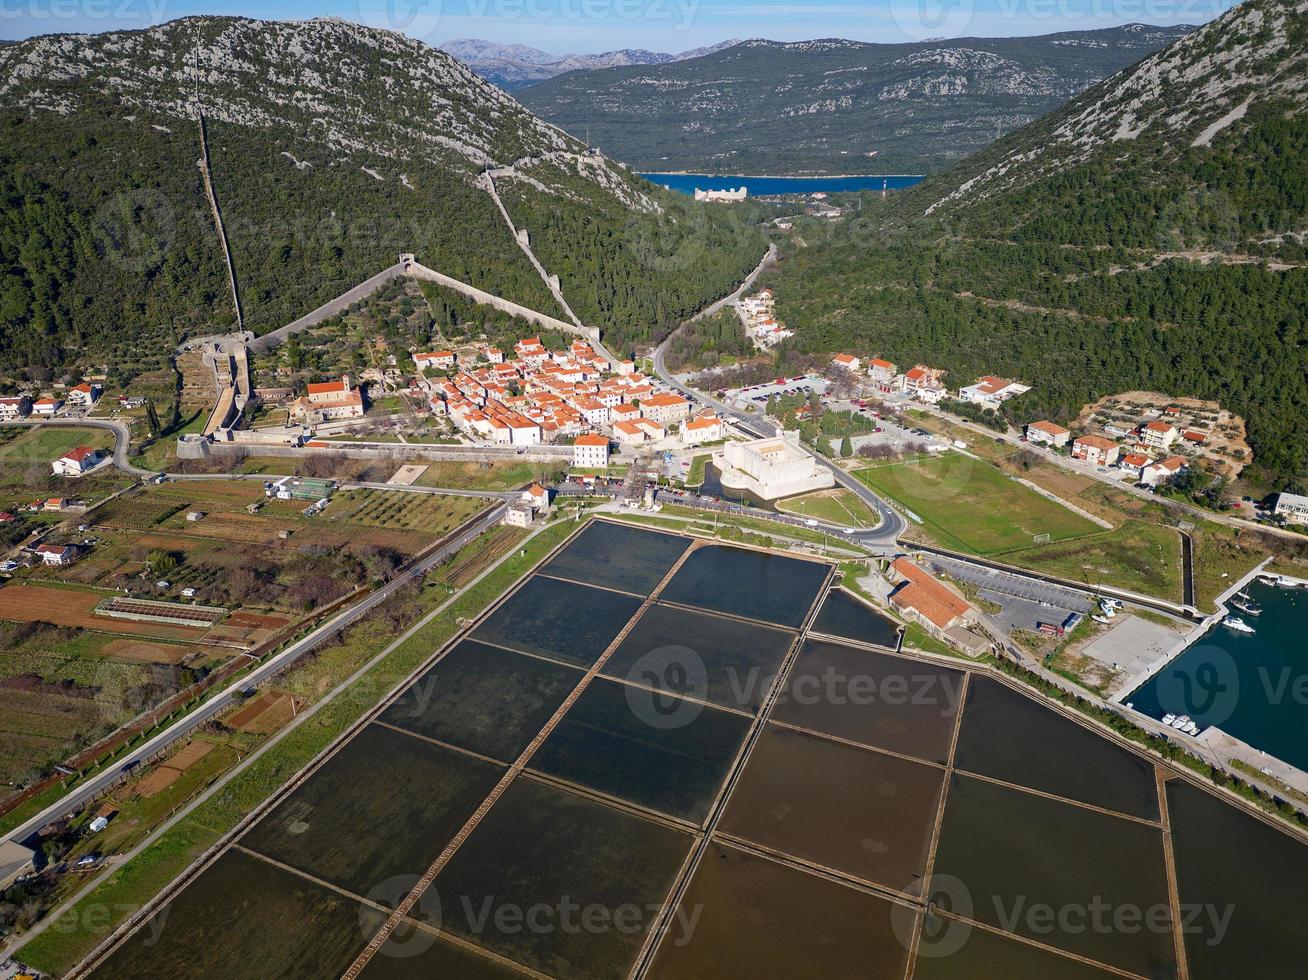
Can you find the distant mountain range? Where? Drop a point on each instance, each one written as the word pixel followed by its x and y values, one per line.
pixel 516 66
pixel 834 106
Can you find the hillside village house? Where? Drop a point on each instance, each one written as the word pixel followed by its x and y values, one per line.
pixel 1095 450
pixel 590 451
pixel 536 497
pixel 441 360
pixel 518 515
pixel 56 554
pixel 705 428
pixel 881 371
pixel 84 395
pixel 628 433
pixel 76 461
pixel 1158 435
pixel 991 392
pixel 1048 433
pixel 847 362
pixel 1164 471
pixel 1293 507
pixel 15 407
pixel 1134 464
pixel 924 384
pixel 654 431
pixel 624 412
pixel 47 406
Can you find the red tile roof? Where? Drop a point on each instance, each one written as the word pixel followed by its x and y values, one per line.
pixel 927 596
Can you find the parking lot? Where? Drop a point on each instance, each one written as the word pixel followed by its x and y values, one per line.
pixel 758 394
pixel 1024 604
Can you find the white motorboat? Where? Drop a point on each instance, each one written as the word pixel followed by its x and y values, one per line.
pixel 1180 723
pixel 1168 719
pixel 1102 620
pixel 1237 624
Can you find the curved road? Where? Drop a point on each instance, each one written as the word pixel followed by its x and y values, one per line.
pixel 892 525
pixel 122 438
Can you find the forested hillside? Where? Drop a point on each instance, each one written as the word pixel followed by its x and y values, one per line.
pixel 834 106
pixel 1151 235
pixel 333 147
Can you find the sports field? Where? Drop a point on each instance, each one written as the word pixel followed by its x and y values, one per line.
pixel 47 443
pixel 971 506
pixel 846 816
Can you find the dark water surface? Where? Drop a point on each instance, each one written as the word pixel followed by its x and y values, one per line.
pixel 761 919
pixel 1008 736
pixel 707 657
pixel 751 584
pixel 630 744
pixel 484 699
pixel 543 847
pixel 853 809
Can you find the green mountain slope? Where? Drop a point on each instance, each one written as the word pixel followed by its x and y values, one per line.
pixel 1150 235
pixel 834 106
pixel 332 148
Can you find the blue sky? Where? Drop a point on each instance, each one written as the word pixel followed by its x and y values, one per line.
pixel 564 26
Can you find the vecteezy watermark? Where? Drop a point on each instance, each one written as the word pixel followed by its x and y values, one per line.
pixel 921 20
pixel 121 12
pixel 1099 916
pixel 491 915
pixel 666 687
pixel 1203 682
pixel 135 229
pixel 952 908
pixel 414 17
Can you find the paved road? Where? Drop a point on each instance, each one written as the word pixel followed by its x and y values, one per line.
pixel 769 257
pixel 892 524
pixel 223 699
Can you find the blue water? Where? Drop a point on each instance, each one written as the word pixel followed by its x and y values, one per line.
pixel 1253 686
pixel 763 186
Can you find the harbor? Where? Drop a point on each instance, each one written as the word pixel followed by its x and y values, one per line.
pixel 1236 687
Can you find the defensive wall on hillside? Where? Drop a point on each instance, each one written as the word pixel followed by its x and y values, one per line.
pixel 409 266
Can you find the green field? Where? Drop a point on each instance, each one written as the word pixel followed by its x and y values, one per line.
pixel 47 443
pixel 1137 556
pixel 833 506
pixel 969 505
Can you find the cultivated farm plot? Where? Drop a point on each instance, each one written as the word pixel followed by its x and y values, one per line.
pixel 73 607
pixel 135 512
pixel 972 506
pixel 433 513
